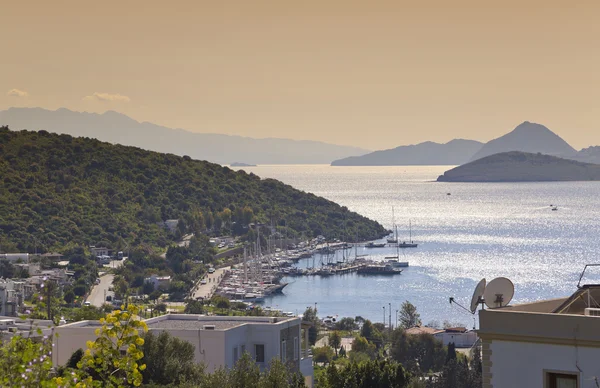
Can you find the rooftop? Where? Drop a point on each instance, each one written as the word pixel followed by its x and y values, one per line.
pixel 197 322
pixel 422 330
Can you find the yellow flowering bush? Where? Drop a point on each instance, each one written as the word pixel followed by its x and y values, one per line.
pixel 113 357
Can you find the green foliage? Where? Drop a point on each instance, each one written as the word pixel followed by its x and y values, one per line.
pixel 310 315
pixel 335 340
pixel 368 374
pixel 323 354
pixel 346 324
pixel 409 317
pixel 194 307
pixel 168 360
pixel 25 362
pixel 57 189
pixel 419 353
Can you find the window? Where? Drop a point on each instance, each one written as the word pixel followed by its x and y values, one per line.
pixel 235 354
pixel 296 349
pixel 243 350
pixel 259 353
pixel 283 351
pixel 562 380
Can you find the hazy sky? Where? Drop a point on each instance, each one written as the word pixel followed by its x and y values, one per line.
pixel 373 73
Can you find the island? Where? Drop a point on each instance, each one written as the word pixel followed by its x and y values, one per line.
pixel 518 166
pixel 240 164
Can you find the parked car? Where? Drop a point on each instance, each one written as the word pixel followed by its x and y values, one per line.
pixel 203 281
pixel 86 303
pixel 211 270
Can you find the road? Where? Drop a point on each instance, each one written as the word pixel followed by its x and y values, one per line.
pixel 206 291
pixel 100 291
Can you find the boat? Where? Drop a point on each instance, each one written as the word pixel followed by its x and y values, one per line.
pixel 395 263
pixel 375 245
pixel 554 208
pixel 410 244
pixel 394 238
pixel 378 269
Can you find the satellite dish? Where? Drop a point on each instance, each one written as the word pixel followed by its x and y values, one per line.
pixel 477 295
pixel 499 293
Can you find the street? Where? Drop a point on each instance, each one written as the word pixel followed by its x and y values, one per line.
pixel 100 291
pixel 206 291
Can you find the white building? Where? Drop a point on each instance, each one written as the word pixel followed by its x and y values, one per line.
pixel 99 251
pixel 218 341
pixel 159 282
pixel 9 300
pixel 459 336
pixel 552 343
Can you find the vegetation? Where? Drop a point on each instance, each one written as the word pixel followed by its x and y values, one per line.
pixel 58 190
pixel 409 317
pixel 376 373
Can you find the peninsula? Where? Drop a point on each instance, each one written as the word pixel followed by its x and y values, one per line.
pixel 518 166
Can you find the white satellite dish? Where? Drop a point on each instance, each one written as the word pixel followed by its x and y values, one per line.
pixel 498 293
pixel 477 295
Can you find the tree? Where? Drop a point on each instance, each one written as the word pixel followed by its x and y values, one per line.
pixel 148 288
pixel 376 373
pixel 194 307
pixel 451 355
pixel 168 360
pixel 103 358
pixel 323 354
pixel 346 324
pixel 69 297
pixel 335 340
pixel 409 316
pixel 310 315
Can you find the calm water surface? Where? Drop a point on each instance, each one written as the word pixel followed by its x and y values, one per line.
pixel 480 230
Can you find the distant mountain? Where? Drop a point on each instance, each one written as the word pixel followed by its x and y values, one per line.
pixel 454 152
pixel 527 137
pixel 518 166
pixel 589 155
pixel 118 128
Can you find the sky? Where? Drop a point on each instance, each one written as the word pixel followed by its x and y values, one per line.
pixel 374 74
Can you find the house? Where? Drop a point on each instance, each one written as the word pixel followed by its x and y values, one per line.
pixel 11 326
pixel 550 343
pixel 99 251
pixel 219 341
pixel 159 282
pixel 461 337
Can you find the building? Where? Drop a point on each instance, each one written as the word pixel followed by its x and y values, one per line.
pixel 159 282
pixel 461 337
pixel 551 343
pixel 11 326
pixel 219 341
pixel 15 257
pixel 99 251
pixel 9 299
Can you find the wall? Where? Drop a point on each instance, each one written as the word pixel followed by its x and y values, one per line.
pixel 69 339
pixel 522 364
pixel 461 340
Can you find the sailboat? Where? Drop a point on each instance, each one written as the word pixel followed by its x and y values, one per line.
pixel 394 238
pixel 394 261
pixel 410 244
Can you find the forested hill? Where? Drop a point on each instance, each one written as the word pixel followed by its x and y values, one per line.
pixel 58 190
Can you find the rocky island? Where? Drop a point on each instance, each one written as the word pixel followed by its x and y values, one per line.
pixel 518 166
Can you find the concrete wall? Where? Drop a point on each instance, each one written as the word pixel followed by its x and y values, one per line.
pixel 70 338
pixel 522 364
pixel 460 340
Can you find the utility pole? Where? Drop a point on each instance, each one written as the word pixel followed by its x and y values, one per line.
pixel 390 316
pixel 383 316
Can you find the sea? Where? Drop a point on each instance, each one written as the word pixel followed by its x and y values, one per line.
pixel 465 232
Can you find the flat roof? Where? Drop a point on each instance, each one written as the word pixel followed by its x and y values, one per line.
pixel 197 322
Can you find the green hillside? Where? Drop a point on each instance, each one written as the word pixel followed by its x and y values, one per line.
pixel 58 190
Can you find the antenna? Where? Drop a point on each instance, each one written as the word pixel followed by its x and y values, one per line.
pixel 477 295
pixel 498 293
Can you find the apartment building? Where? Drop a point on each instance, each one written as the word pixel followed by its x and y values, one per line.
pixel 219 341
pixel 548 344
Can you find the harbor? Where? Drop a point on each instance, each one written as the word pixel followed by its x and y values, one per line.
pixel 263 274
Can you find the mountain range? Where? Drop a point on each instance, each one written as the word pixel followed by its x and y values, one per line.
pixel 454 152
pixel 118 128
pixel 526 137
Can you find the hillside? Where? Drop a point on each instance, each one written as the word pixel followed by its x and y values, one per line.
pixel 589 155
pixel 522 167
pixel 527 137
pixel 118 128
pixel 57 189
pixel 455 152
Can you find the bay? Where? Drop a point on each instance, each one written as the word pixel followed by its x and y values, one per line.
pixel 479 230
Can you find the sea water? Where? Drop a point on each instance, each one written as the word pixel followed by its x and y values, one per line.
pixel 465 232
